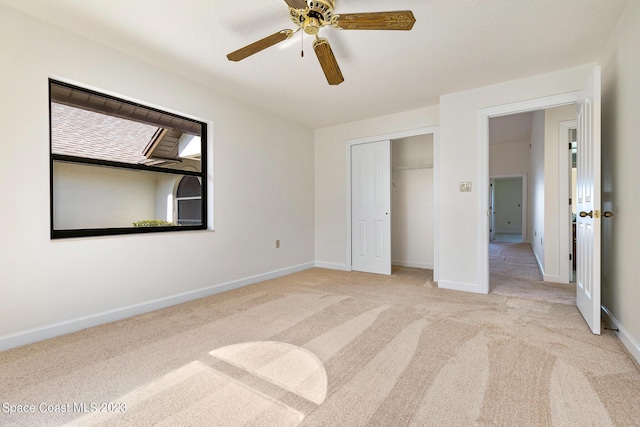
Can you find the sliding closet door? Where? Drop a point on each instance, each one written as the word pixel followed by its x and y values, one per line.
pixel 371 207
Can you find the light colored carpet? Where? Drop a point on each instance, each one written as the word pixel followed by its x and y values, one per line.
pixel 330 348
pixel 514 272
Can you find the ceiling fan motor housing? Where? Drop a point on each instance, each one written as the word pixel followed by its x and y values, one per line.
pixel 317 14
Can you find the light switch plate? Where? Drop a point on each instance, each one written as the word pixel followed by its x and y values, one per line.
pixel 465 187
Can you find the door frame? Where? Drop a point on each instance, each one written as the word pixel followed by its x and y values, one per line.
pixel 492 210
pixel 525 198
pixel 435 131
pixel 484 115
pixel 564 182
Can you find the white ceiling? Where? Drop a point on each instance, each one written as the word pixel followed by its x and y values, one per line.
pixel 454 45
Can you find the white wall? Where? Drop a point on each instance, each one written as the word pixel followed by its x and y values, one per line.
pixel 621 175
pixel 331 180
pixel 510 158
pixel 264 186
pixel 412 202
pixel 463 216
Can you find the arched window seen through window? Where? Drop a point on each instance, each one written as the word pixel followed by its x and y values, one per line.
pixel 189 201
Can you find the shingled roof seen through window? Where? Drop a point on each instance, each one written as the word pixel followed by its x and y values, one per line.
pixel 82 133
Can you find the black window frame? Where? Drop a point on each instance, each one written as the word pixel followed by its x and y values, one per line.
pixel 114 231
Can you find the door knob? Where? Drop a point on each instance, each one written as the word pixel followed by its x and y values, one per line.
pixel 585 214
pixel 607 214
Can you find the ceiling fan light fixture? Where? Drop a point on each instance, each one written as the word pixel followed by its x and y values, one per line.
pixel 311 25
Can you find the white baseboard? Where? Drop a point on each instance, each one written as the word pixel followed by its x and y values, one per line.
pixel 555 279
pixel 540 269
pixel 623 335
pixel 547 277
pixel 459 286
pixel 332 266
pixel 73 325
pixel 412 264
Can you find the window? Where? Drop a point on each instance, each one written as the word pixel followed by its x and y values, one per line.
pixel 189 199
pixel 118 167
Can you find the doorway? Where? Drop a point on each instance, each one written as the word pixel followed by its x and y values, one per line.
pixel 526 256
pixel 412 202
pixel 537 154
pixel 509 209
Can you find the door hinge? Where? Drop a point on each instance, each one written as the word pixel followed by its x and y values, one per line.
pixel 570 146
pixel 570 257
pixel 570 201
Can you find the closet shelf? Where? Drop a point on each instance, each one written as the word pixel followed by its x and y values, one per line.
pixel 413 167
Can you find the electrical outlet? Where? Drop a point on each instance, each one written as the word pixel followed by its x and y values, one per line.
pixel 465 187
pixel 277 244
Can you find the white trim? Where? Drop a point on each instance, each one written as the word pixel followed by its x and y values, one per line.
pixel 73 325
pixel 564 194
pixel 332 266
pixel 539 264
pixel 623 335
pixel 484 115
pixel 460 286
pixel 210 174
pixel 435 130
pixel 412 264
pixel 436 199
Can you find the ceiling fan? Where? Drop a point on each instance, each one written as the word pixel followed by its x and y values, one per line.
pixel 311 16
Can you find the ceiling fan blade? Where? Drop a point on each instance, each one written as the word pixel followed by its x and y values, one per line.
pixel 328 61
pixel 297 4
pixel 397 20
pixel 262 44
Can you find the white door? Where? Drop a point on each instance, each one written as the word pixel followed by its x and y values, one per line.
pixel 588 203
pixel 371 207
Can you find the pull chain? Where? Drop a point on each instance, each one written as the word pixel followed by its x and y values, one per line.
pixel 302 43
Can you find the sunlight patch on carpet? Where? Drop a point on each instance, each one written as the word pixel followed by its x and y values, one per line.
pixel 214 399
pixel 290 367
